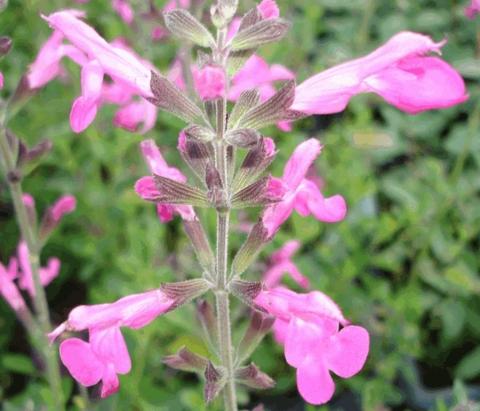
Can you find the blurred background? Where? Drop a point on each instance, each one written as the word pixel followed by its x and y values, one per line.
pixel 404 263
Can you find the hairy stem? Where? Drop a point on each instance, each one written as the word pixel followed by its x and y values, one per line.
pixel 222 295
pixel 40 300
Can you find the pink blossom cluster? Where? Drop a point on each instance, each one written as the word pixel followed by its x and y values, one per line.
pixel 317 338
pixel 129 75
pixel 17 276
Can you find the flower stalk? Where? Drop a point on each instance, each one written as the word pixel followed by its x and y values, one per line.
pixel 40 326
pixel 222 295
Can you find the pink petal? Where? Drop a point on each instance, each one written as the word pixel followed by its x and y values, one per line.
pixel 300 161
pixel 268 9
pixel 81 362
pixel 309 199
pixel 85 107
pixel 301 340
pixel 110 383
pixel 417 84
pixel 274 216
pixel 165 212
pixel 395 71
pixel 210 82
pixel 109 346
pixel 314 382
pixel 118 63
pixel 50 272
pixel 146 188
pixel 347 351
pixel 132 115
pixel 157 164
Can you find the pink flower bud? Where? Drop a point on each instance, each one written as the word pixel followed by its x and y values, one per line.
pixel 124 10
pixel 1 80
pixel 28 200
pixel 8 289
pixel 210 82
pixel 64 205
pixel 268 9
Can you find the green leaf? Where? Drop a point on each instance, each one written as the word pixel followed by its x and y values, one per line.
pixel 18 363
pixel 469 367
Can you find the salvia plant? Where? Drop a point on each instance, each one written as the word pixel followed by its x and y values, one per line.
pixel 226 97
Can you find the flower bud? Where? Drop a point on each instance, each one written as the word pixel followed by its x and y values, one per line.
pixel 186 360
pixel 215 380
pixel 207 319
pixel 5 45
pixel 201 245
pixel 260 325
pixel 254 243
pixel 196 154
pixel 251 376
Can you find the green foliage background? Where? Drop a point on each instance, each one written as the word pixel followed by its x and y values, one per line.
pixel 404 263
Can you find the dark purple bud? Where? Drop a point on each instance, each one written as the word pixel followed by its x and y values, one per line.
pixel 5 45
pixel 214 382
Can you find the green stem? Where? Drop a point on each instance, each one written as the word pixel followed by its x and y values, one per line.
pixel 40 300
pixel 222 294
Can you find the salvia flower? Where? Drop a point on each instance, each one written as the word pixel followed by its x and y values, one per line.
pixel 281 263
pixel 47 65
pixel 124 10
pixel 1 80
pixel 147 189
pixel 100 359
pixel 398 71
pixel 106 354
pixel 309 327
pixel 54 214
pixel 302 194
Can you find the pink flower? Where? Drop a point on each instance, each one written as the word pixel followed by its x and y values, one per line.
pixel 101 359
pixel 130 116
pixel 133 311
pixel 25 276
pixel 47 65
pixel 146 187
pixel 8 289
pixel 302 194
pixel 1 80
pixel 281 263
pixel 473 9
pixel 308 327
pixel 398 71
pixel 256 74
pixel 122 66
pixel 124 10
pixel 209 82
pixel 268 9
pixel 106 354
